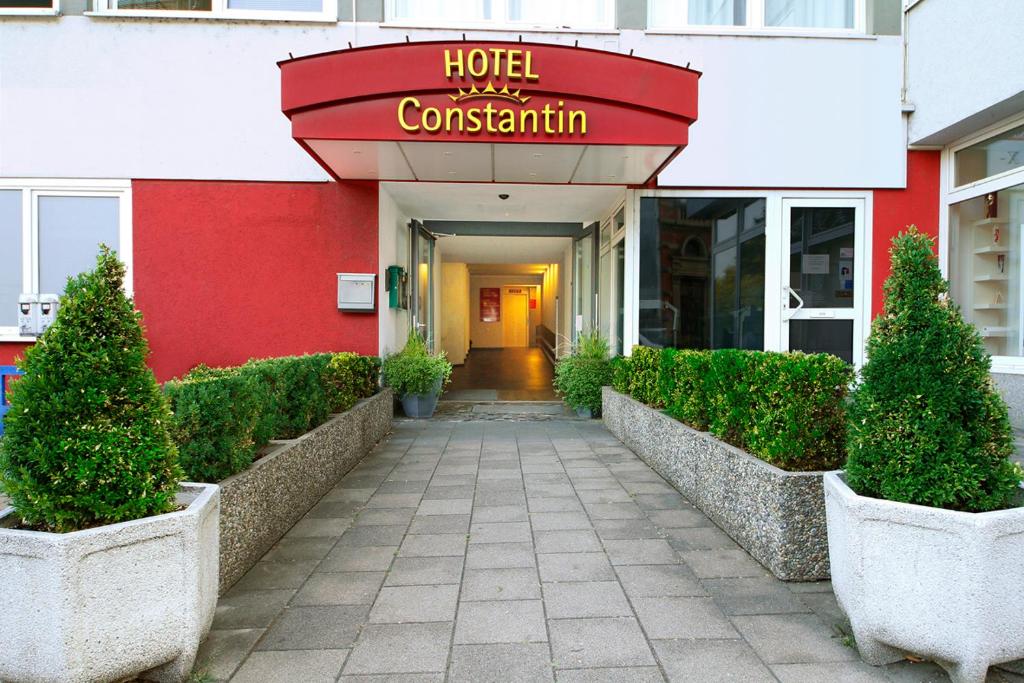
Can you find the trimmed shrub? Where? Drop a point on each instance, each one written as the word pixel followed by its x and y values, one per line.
pixel 414 370
pixel 298 394
pixel 926 425
pixel 620 374
pixel 728 392
pixel 351 377
pixel 578 380
pixel 645 370
pixel 86 440
pixel 682 386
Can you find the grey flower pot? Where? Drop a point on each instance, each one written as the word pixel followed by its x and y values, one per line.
pixel 584 412
pixel 422 406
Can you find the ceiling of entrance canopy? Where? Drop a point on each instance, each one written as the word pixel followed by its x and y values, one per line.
pixel 489 112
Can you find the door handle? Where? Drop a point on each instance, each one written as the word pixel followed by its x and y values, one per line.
pixel 799 302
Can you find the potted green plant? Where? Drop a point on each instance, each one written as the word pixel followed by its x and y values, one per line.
pixel 580 375
pixel 925 532
pixel 109 563
pixel 416 376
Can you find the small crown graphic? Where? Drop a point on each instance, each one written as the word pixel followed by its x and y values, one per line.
pixel 490 91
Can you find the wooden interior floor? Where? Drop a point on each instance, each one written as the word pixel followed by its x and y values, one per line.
pixel 515 374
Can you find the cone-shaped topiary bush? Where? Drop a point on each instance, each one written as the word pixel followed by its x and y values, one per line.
pixel 926 425
pixel 86 440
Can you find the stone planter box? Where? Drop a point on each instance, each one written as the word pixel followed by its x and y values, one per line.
pixel 112 602
pixel 937 583
pixel 262 503
pixel 776 516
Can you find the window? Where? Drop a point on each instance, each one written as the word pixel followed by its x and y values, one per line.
pixel 993 156
pixel 294 10
pixel 572 14
pixel 702 266
pixel 843 15
pixel 29 6
pixel 48 233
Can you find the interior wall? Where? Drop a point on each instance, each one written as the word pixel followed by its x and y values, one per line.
pixel 565 322
pixel 489 335
pixel 454 314
pixel 550 291
pixel 393 239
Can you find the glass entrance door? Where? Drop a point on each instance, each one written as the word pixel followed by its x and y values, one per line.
pixel 422 282
pixel 822 299
pixel 583 279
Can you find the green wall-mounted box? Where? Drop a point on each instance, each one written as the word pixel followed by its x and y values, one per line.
pixel 396 284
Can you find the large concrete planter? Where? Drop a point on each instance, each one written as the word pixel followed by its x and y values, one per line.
pixel 940 584
pixel 112 602
pixel 263 502
pixel 776 516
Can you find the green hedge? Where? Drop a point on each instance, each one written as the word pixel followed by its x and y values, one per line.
pixel 786 408
pixel 223 416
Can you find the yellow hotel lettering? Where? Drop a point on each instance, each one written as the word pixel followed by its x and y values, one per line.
pixel 511 116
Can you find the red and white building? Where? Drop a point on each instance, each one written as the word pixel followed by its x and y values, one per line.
pixel 701 173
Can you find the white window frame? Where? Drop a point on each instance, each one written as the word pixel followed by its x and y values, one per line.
pixel 500 10
pixel 952 194
pixel 755 23
pixel 31 190
pixel 219 10
pixel 51 11
pixel 776 272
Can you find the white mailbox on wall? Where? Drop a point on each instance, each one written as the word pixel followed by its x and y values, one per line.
pixel 357 291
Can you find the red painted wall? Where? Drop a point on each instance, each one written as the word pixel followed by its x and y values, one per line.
pixel 894 210
pixel 11 350
pixel 227 271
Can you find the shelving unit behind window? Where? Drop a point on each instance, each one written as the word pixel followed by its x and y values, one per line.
pixel 29 7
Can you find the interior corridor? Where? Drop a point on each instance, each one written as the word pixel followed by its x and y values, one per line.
pixel 503 374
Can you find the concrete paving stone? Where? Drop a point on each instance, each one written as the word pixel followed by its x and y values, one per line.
pixel 442 480
pixel 417 486
pixel 672 519
pixel 321 627
pixel 224 650
pixel 394 678
pixel 457 506
pixel 339 509
pixel 340 494
pixel 383 516
pixel 597 484
pixel 500 555
pixel 542 467
pixel 394 500
pixel 314 666
pixel 422 571
pixel 486 497
pixel 601 642
pixel 501 513
pixel 501 662
pixel 699 538
pixel 340 588
pixel 549 490
pixel 440 524
pixel 405 604
pixel 605 496
pixel 625 529
pixel 433 545
pixel 250 609
pixel 614 511
pixel 825 606
pixel 275 575
pixel 754 596
pixel 663 580
pixel 299 549
pixel 363 536
pixel 557 504
pixel 691 617
pixel 568 541
pixel 792 639
pixel 627 674
pixel 498 475
pixel 926 672
pixel 361 482
pixel 330 527
pixel 661 501
pixel 449 492
pixel 586 599
pixel 712 661
pixel 641 551
pixel 811 587
pixel 400 648
pixel 575 567
pixel 647 488
pixel 501 621
pixel 517 583
pixel 721 564
pixel 546 478
pixel 552 521
pixel 500 532
pixel 837 672
pixel 363 559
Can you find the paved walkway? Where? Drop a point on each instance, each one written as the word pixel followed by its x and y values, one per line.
pixel 522 551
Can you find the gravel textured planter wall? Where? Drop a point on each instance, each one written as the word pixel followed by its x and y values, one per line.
pixel 260 504
pixel 777 516
pixel 112 602
pixel 938 583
